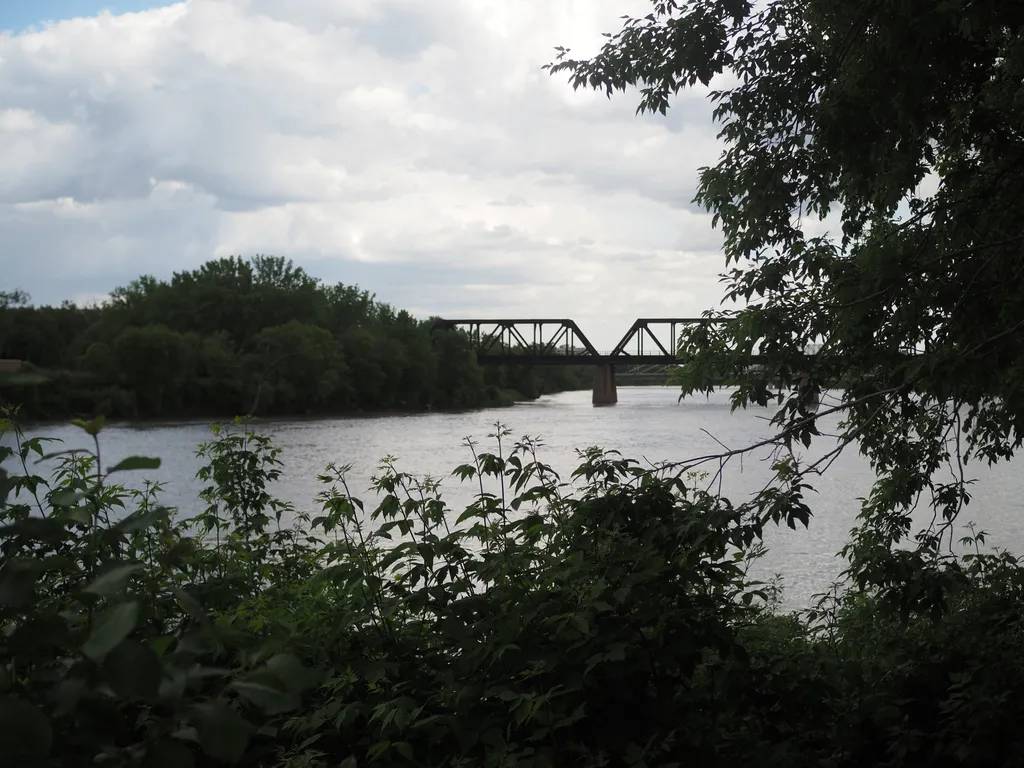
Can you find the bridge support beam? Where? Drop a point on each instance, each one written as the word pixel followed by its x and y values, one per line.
pixel 605 391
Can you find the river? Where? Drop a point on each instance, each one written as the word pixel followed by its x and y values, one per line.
pixel 647 424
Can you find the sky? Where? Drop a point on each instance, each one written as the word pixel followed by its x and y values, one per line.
pixel 19 15
pixel 414 148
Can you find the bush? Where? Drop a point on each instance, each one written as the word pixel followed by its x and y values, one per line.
pixel 601 620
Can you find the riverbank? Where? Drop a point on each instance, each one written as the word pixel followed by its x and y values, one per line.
pixel 493 398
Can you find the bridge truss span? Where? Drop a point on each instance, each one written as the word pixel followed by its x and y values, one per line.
pixel 528 342
pixel 653 340
pixel 650 341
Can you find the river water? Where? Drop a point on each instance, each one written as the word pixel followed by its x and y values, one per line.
pixel 647 424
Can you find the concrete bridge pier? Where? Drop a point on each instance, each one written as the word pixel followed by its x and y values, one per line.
pixel 605 391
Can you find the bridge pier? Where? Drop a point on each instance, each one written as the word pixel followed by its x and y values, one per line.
pixel 605 391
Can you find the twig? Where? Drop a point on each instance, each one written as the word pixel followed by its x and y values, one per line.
pixel 688 464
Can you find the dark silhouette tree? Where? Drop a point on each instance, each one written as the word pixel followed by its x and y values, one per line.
pixel 901 127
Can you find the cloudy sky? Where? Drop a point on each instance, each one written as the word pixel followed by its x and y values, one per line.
pixel 414 148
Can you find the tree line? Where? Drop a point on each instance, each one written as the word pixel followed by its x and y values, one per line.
pixel 257 336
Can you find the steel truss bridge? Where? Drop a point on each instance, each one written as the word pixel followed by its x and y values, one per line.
pixel 561 342
pixel 648 342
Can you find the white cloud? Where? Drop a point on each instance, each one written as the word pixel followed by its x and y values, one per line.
pixel 415 148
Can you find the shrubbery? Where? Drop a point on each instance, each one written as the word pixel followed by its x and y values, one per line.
pixel 602 620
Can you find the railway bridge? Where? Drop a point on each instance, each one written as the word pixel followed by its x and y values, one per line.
pixel 649 341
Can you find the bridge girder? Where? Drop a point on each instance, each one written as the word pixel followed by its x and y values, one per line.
pixel 559 341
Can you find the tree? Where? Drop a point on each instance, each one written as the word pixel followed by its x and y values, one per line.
pixel 16 298
pixel 302 366
pixel 219 374
pixel 8 301
pixel 100 360
pixel 902 126
pixel 366 364
pixel 419 375
pixel 42 335
pixel 155 363
pixel 232 336
pixel 459 378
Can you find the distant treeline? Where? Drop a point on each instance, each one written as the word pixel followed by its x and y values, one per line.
pixel 256 336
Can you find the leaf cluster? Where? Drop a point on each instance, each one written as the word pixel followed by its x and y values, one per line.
pixel 869 194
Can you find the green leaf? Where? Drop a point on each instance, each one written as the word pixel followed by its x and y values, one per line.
pixel 161 644
pixel 471 511
pixel 133 670
pixel 77 515
pixel 278 686
pixel 135 462
pixel 91 427
pixel 379 748
pixel 581 624
pixel 112 626
pixel 67 498
pixel 24 729
pixel 113 581
pixel 142 520
pixel 191 605
pixel 168 753
pixel 292 672
pixel 268 693
pixel 223 734
pixel 403 748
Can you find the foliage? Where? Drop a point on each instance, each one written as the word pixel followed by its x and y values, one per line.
pixel 901 123
pixel 249 336
pixel 601 620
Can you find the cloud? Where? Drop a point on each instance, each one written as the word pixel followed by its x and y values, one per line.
pixel 416 149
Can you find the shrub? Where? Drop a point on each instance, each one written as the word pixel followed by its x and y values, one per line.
pixel 604 619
